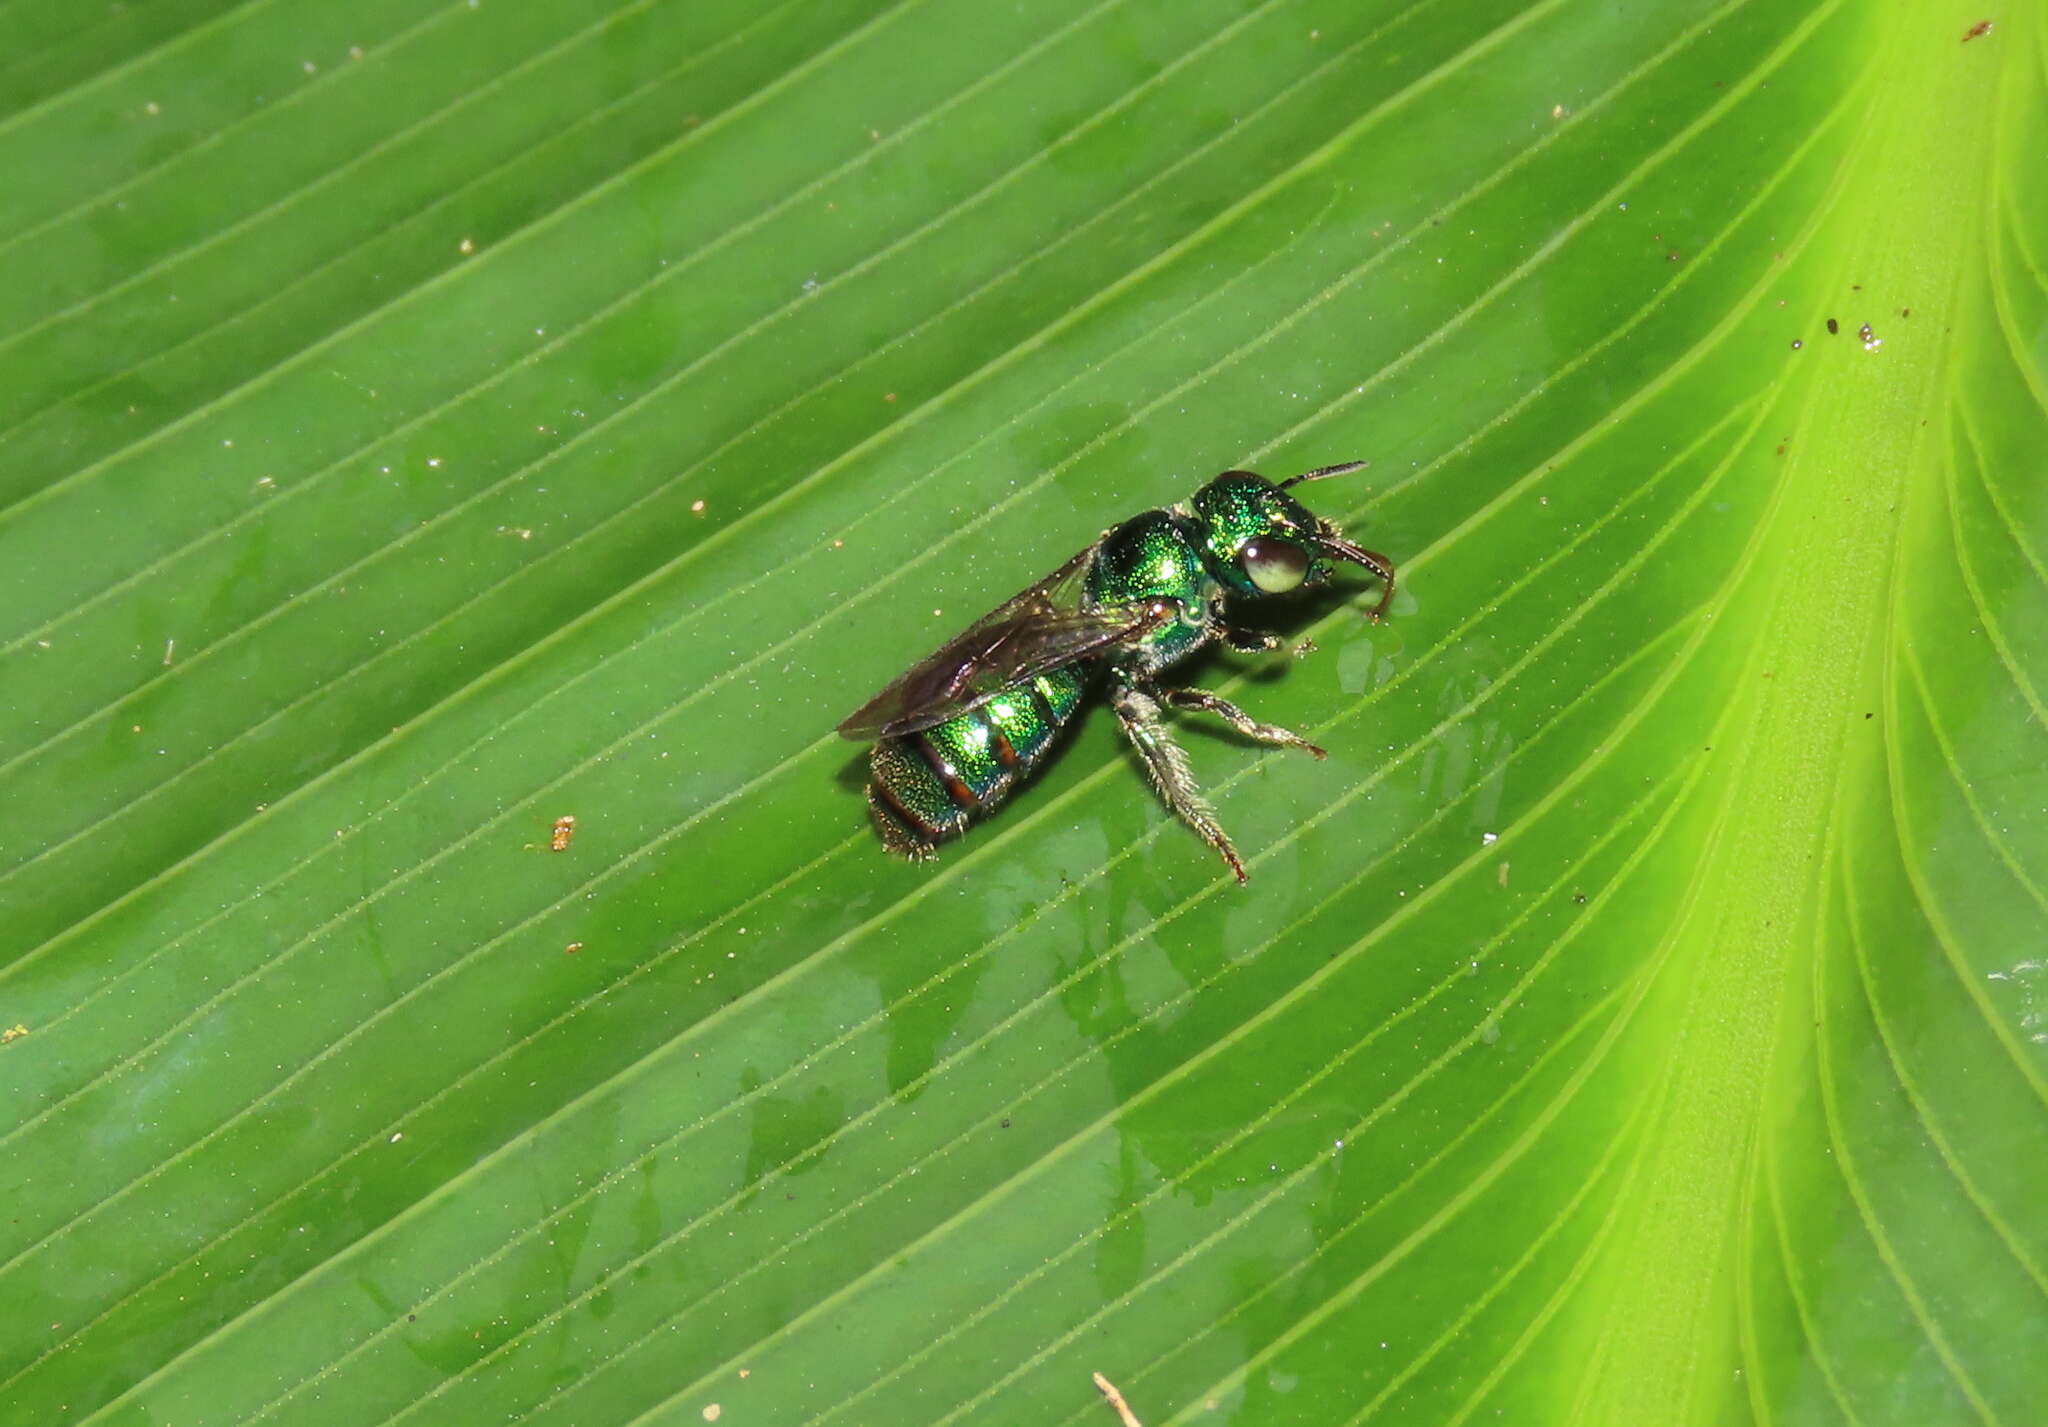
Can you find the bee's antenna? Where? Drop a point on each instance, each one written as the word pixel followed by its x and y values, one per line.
pixel 1322 473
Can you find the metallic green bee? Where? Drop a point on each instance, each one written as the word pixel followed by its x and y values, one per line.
pixel 961 729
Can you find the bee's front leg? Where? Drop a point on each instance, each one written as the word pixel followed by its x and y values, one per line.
pixel 1246 641
pixel 1167 765
pixel 1202 701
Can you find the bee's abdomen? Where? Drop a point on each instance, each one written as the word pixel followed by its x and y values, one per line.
pixel 928 784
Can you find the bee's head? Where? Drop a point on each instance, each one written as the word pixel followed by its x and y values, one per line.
pixel 1259 540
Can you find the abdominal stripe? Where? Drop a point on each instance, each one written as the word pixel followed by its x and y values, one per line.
pixel 1006 752
pixel 956 788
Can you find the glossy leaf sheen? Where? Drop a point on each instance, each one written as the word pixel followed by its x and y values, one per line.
pixel 420 422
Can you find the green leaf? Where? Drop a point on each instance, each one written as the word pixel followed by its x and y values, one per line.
pixel 420 423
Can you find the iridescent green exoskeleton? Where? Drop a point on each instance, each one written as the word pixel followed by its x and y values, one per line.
pixel 961 729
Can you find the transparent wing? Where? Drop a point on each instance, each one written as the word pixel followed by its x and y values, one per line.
pixel 1029 634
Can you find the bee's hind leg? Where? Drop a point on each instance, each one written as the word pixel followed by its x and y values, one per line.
pixel 1202 701
pixel 1167 765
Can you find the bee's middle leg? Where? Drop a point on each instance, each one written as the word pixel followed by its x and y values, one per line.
pixel 1202 701
pixel 1167 765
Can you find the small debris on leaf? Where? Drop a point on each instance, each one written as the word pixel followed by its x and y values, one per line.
pixel 1115 1399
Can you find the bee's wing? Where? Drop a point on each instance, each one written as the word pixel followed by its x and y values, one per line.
pixel 1036 631
pixel 989 658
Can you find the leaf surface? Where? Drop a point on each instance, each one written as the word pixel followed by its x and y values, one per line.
pixel 421 423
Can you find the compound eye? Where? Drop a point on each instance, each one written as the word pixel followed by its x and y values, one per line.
pixel 1273 565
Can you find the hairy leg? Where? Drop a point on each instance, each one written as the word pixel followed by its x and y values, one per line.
pixel 1167 766
pixel 1202 701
